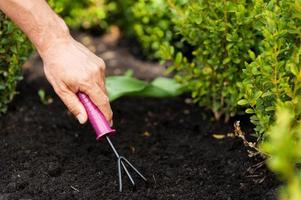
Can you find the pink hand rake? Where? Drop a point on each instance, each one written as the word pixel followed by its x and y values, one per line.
pixel 103 130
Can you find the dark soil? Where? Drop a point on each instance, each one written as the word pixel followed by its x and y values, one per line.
pixel 46 154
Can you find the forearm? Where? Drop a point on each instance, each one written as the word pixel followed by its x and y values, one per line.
pixel 68 65
pixel 37 20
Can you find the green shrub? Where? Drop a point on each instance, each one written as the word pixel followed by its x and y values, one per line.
pixel 279 82
pixel 283 144
pixel 273 74
pixel 14 50
pixel 149 22
pixel 240 52
pixel 84 13
pixel 221 34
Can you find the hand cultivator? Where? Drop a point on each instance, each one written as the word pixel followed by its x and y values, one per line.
pixel 103 130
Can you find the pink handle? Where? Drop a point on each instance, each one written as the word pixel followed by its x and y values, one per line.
pixel 96 118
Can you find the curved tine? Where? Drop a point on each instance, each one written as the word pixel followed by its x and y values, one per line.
pixel 119 174
pixel 127 172
pixel 134 168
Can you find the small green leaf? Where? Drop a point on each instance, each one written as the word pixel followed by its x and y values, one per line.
pixel 294 69
pixel 252 55
pixel 242 102
pixel 249 111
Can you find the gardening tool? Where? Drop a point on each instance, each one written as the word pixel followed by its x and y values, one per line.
pixel 103 130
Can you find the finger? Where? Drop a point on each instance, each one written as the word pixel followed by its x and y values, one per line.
pixel 101 100
pixel 73 104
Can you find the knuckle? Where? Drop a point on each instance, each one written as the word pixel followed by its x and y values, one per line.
pixel 102 64
pixel 85 83
pixel 72 106
pixel 60 91
pixel 72 109
pixel 93 69
pixel 85 79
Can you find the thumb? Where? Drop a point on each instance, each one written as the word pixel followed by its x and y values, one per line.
pixel 74 105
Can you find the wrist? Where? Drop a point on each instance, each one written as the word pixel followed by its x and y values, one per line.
pixel 55 32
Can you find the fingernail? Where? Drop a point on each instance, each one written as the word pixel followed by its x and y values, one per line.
pixel 80 118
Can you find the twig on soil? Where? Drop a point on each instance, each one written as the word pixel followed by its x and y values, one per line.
pixel 253 151
pixel 252 145
pixel 255 167
pixel 73 188
pixel 154 179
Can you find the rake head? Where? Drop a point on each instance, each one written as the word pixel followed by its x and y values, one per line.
pixel 122 164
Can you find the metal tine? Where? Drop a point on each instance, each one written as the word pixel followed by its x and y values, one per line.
pixel 121 163
pixel 119 175
pixel 134 168
pixel 127 172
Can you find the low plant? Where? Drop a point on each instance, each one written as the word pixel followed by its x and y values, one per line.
pixel 84 13
pixel 45 99
pixel 126 85
pixel 241 53
pixel 220 35
pixel 150 23
pixel 273 74
pixel 14 50
pixel 283 144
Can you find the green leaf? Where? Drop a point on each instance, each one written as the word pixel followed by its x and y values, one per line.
pixel 226 60
pixel 242 102
pixel 119 86
pixel 294 69
pixel 178 58
pixel 249 111
pixel 252 55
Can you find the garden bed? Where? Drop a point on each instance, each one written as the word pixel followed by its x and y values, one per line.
pixel 46 154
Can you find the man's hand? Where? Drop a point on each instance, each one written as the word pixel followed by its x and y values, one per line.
pixel 69 66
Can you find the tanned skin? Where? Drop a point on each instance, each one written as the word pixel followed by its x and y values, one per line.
pixel 68 65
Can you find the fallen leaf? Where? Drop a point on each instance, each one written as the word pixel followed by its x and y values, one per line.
pixel 218 136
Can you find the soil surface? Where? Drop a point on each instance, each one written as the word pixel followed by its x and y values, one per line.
pixel 46 154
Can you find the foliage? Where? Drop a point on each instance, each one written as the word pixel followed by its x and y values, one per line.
pixel 149 22
pixel 14 50
pixel 277 76
pixel 119 86
pixel 242 52
pixel 283 145
pixel 273 75
pixel 84 13
pixel 220 34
